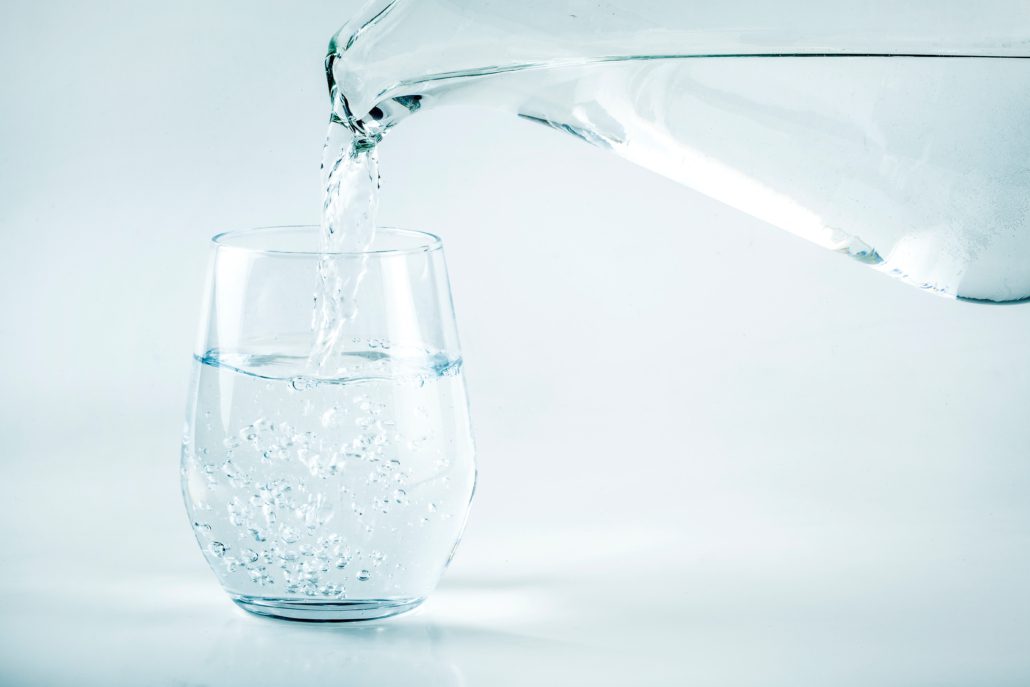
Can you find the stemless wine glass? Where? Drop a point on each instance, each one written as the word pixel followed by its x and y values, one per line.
pixel 327 470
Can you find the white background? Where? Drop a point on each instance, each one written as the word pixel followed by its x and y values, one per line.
pixel 709 452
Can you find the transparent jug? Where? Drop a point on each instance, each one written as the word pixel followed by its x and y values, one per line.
pixel 897 133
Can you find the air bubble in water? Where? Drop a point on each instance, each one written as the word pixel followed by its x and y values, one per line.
pixel 217 548
pixel 332 417
pixel 364 576
pixel 261 577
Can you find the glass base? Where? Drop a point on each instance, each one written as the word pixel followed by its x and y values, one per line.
pixel 325 611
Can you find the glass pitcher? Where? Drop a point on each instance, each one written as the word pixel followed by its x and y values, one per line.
pixel 895 133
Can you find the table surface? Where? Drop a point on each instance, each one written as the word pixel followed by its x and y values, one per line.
pixel 104 586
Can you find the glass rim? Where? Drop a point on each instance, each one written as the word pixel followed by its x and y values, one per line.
pixel 425 242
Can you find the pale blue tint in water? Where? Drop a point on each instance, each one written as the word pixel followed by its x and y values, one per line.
pixel 343 489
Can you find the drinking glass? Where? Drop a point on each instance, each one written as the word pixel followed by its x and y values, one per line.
pixel 327 463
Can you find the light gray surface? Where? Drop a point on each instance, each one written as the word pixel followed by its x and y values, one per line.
pixel 709 452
